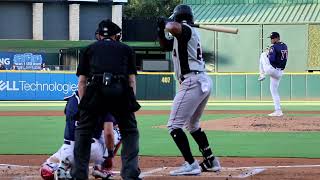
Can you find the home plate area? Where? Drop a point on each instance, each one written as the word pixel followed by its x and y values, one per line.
pixel 32 172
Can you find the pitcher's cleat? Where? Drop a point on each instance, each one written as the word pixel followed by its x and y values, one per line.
pixel 276 114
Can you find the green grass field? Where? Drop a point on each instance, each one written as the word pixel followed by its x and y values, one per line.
pixel 44 135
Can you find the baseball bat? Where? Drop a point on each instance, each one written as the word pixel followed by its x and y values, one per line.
pixel 217 28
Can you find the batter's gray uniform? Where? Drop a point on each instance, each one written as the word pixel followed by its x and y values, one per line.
pixel 195 87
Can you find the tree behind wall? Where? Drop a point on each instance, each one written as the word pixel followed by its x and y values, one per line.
pixel 150 8
pixel 140 18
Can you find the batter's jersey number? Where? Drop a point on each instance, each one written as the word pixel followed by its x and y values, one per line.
pixel 165 80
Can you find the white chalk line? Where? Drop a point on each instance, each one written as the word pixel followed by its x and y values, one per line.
pixel 13 165
pixel 150 172
pixel 249 173
pixel 275 167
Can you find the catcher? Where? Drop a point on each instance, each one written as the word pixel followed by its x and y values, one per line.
pixel 58 166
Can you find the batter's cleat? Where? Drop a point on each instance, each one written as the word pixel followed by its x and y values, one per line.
pixel 276 114
pixel 187 170
pixel 100 172
pixel 261 77
pixel 209 165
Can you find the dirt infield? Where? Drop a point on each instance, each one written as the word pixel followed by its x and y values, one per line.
pixel 158 167
pixel 27 166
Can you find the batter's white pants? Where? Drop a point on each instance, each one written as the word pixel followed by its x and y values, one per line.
pixel 189 102
pixel 265 68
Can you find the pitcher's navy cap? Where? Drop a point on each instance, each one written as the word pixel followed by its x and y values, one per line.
pixel 274 35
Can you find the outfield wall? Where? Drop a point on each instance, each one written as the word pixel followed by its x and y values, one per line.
pixel 245 86
pixel 44 85
pixel 39 85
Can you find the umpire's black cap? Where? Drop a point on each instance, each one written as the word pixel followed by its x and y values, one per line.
pixel 108 28
pixel 274 35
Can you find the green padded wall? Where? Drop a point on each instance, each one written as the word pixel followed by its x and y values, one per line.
pixel 298 87
pixel 233 86
pixel 238 88
pixel 223 87
pixel 313 87
pixel 155 86
pixel 253 87
pixel 245 86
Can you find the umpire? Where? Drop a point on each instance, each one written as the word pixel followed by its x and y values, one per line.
pixel 107 84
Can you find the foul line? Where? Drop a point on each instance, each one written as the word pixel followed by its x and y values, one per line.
pixel 274 167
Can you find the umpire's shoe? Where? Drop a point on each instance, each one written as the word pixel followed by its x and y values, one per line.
pixel 187 169
pixel 211 165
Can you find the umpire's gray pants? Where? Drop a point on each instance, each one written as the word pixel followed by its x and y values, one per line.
pixel 129 154
pixel 130 145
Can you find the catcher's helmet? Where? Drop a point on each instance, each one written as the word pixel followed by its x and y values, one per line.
pixel 108 28
pixel 47 171
pixel 181 13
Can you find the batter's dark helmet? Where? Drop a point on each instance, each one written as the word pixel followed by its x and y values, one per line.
pixel 181 13
pixel 108 28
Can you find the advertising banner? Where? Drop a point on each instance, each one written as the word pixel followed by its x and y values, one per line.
pixel 36 85
pixel 22 61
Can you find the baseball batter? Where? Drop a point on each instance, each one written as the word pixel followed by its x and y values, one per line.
pixel 193 93
pixel 272 63
pixel 60 163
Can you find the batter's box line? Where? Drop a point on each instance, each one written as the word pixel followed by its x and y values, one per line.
pixel 150 172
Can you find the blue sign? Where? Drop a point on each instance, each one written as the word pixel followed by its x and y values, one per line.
pixel 36 85
pixel 23 61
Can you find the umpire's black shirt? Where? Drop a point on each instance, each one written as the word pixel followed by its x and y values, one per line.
pixel 107 56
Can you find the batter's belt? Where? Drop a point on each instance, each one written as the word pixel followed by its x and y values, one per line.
pixel 191 73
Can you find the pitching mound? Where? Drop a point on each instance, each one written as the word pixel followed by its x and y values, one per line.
pixel 265 124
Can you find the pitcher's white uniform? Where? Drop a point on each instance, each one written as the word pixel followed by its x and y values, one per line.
pixel 272 63
pixel 275 77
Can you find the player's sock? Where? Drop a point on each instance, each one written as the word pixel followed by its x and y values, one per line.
pixel 181 140
pixel 201 138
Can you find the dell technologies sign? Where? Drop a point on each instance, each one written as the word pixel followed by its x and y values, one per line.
pixel 36 86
